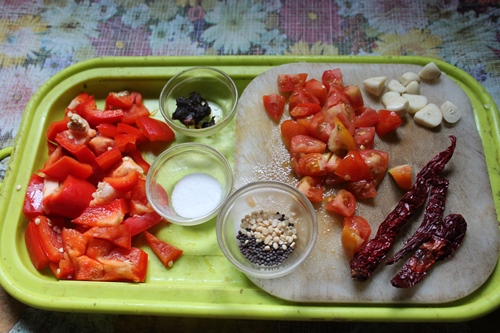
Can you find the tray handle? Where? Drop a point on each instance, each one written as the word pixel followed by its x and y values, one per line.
pixel 5 152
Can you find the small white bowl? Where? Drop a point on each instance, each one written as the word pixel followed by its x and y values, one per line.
pixel 215 86
pixel 268 196
pixel 188 183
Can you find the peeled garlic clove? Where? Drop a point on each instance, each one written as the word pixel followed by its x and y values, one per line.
pixel 451 112
pixel 430 72
pixel 413 88
pixel 408 77
pixel 429 116
pixel 395 85
pixel 375 85
pixel 415 102
pixel 393 101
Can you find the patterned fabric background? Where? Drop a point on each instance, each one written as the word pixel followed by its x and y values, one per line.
pixel 38 38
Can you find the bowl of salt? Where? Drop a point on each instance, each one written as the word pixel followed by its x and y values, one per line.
pixel 188 183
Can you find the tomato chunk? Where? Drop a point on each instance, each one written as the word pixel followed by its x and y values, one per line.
pixel 388 122
pixel 402 175
pixel 290 128
pixel 343 203
pixel 288 82
pixel 274 104
pixel 355 234
pixel 312 188
pixel 353 168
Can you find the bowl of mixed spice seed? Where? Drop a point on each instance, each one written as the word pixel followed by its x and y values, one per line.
pixel 266 229
pixel 199 101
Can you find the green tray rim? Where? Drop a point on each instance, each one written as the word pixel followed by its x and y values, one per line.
pixel 481 302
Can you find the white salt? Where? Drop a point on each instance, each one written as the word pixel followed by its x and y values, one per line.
pixel 195 195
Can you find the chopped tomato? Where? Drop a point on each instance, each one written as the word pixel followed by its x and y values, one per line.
pixel 154 129
pixel 274 104
pixel 312 164
pixel 288 82
pixel 362 189
pixel 343 203
pixel 103 215
pixel 336 95
pixel 342 112
pixel 368 118
pixel 304 144
pixel 33 199
pixel 312 188
pixel 341 141
pixel 305 110
pixel 388 122
pixel 355 234
pixel 167 253
pixel 377 161
pixel 402 175
pixel 290 128
pixel 353 167
pixel 364 137
pixel 37 254
pixel 316 88
pixel 332 163
pixel 333 77
pixel 355 97
pixel 319 127
pixel 300 96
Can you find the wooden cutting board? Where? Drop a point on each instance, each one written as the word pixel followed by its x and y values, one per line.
pixel 325 276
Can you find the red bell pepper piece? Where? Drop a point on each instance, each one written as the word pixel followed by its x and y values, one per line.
pixel 56 127
pixel 136 110
pixel 125 142
pixel 76 101
pixel 154 129
pixel 109 158
pixel 70 198
pixel 125 265
pixel 118 100
pixel 119 235
pixel 65 166
pixel 33 206
pixel 108 130
pixel 137 157
pixel 125 183
pixel 140 223
pixel 104 215
pixel 167 253
pixel 54 156
pixel 63 269
pixel 129 129
pixel 70 142
pixel 139 203
pixel 50 236
pixel 36 253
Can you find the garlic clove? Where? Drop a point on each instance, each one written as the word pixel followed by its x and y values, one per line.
pixel 451 112
pixel 375 85
pixel 413 88
pixel 429 116
pixel 430 72
pixel 415 102
pixel 408 77
pixel 395 85
pixel 393 101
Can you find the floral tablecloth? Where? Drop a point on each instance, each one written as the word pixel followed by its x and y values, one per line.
pixel 38 38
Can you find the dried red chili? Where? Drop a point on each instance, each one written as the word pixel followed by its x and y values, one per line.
pixel 444 241
pixel 432 218
pixel 366 260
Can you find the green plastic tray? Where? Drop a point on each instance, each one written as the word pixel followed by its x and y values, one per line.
pixel 202 283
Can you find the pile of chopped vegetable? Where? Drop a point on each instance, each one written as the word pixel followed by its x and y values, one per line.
pixel 88 201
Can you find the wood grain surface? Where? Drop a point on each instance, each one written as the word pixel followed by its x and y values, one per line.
pixel 325 276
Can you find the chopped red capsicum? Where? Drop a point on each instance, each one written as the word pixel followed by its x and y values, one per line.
pixel 65 166
pixel 33 206
pixel 36 252
pixel 140 223
pixel 154 129
pixel 167 253
pixel 103 215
